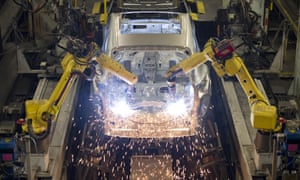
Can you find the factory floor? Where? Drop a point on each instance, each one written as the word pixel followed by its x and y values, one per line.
pixel 211 150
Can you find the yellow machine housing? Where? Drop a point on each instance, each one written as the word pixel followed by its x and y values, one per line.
pixel 263 115
pixel 40 112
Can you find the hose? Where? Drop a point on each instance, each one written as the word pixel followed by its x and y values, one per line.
pixel 88 74
pixel 42 135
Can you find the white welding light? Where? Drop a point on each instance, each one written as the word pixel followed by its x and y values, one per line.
pixel 177 108
pixel 121 108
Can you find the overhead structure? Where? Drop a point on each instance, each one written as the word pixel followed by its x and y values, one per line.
pixel 295 87
pixel 290 10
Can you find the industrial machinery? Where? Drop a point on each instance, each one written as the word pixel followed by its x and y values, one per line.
pixel 221 54
pixel 149 80
pixel 225 62
pixel 40 113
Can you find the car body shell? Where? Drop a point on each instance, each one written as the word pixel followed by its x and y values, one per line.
pixel 147 44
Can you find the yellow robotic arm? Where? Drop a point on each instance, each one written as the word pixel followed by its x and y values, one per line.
pixel 226 62
pixel 40 113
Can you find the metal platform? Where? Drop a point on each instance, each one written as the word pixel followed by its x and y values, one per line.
pixel 48 162
pixel 253 163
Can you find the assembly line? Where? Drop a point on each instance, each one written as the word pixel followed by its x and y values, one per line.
pixel 137 89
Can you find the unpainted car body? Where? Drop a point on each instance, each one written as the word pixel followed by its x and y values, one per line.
pixel 147 44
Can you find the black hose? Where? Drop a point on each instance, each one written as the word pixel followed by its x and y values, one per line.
pixel 172 78
pixel 42 135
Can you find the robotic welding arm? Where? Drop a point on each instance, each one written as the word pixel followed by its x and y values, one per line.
pixel 40 113
pixel 226 62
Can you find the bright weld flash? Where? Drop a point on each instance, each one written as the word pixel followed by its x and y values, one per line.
pixel 177 108
pixel 121 108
